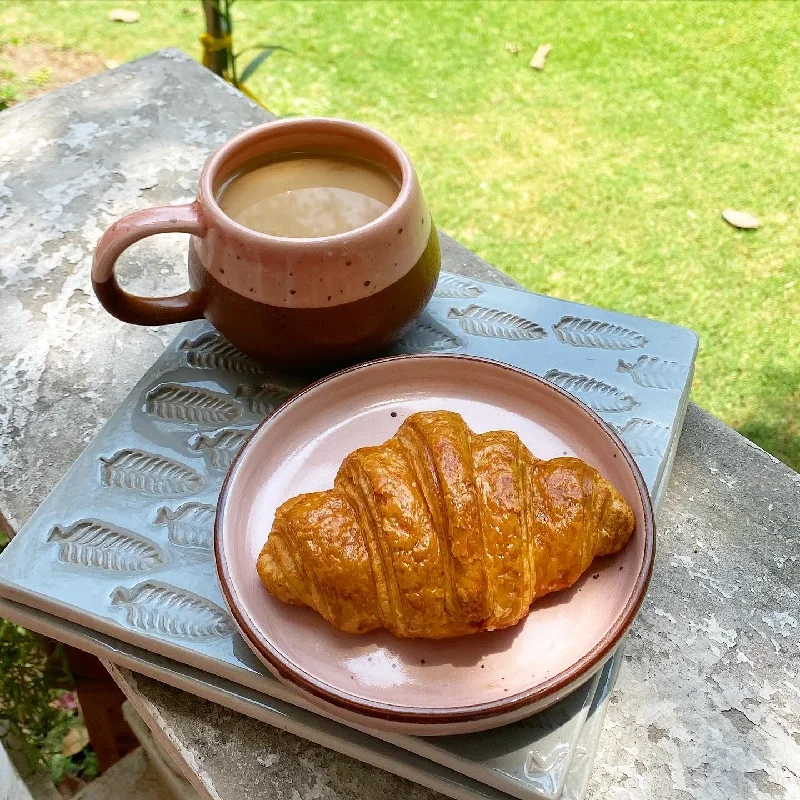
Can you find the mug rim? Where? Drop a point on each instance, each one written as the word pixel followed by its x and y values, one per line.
pixel 355 130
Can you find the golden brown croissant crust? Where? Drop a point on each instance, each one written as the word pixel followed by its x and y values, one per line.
pixel 440 532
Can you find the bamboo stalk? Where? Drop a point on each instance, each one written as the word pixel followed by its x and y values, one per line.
pixel 216 61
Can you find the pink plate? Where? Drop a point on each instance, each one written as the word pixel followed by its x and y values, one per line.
pixel 418 686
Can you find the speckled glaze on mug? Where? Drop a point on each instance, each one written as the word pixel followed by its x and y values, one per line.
pixel 418 686
pixel 290 302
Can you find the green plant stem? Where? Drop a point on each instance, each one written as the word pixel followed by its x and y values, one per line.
pixel 218 60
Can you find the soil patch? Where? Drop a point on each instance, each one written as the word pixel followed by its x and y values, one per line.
pixel 34 68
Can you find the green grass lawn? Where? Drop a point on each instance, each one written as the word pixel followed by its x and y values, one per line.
pixel 600 179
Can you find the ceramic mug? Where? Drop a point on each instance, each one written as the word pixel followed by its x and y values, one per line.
pixel 297 303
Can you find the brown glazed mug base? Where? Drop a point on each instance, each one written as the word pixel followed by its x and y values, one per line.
pixel 309 339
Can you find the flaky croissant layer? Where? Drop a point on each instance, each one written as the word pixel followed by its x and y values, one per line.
pixel 441 532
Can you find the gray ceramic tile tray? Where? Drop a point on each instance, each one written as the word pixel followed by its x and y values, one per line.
pixel 120 551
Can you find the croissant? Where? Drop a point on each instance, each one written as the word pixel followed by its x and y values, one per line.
pixel 441 532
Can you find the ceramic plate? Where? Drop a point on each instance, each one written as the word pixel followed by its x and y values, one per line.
pixel 417 686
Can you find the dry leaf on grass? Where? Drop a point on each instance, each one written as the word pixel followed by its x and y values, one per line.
pixel 540 56
pixel 740 219
pixel 123 15
pixel 513 47
pixel 74 741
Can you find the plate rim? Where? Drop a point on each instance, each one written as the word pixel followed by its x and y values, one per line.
pixel 575 674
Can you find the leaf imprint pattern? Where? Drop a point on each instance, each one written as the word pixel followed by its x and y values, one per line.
pixel 190 404
pixel 654 373
pixel 644 437
pixel 427 338
pixel 91 543
pixel 582 332
pixel 456 288
pixel 154 606
pixel 265 399
pixel 220 447
pixel 595 393
pixel 481 321
pixel 189 525
pixel 212 351
pixel 136 469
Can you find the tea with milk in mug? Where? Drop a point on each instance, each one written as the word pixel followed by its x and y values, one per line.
pixel 308 196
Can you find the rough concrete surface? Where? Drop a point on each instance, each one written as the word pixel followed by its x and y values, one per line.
pixel 71 162
pixel 169 773
pixel 708 701
pixel 132 778
pixel 707 704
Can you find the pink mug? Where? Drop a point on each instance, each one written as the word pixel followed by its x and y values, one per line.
pixel 291 302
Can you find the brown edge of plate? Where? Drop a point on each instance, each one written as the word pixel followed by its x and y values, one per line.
pixel 584 667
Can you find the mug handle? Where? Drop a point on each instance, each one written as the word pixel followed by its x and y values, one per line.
pixel 121 235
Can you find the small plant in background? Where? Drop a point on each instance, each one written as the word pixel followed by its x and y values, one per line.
pixel 12 85
pixel 218 52
pixel 9 88
pixel 39 714
pixel 35 710
pixel 39 77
